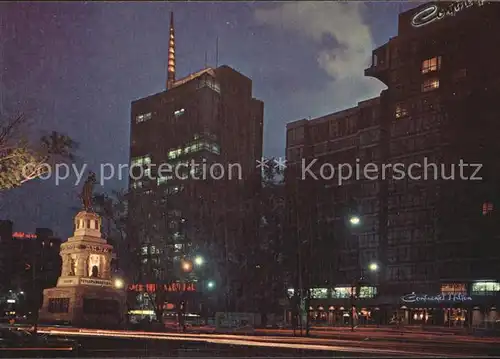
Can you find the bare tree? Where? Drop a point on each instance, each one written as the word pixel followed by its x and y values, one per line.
pixel 22 161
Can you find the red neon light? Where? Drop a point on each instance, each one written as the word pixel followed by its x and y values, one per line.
pixel 22 235
pixel 172 287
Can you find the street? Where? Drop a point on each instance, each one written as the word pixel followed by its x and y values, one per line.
pixel 118 343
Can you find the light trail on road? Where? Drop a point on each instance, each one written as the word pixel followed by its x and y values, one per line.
pixel 241 340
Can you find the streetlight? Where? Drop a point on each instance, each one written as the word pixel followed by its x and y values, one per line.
pixel 354 220
pixel 199 260
pixel 187 266
pixel 211 284
pixel 373 267
pixel 119 283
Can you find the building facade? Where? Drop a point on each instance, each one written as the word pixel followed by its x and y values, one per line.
pixel 30 262
pixel 433 229
pixel 194 147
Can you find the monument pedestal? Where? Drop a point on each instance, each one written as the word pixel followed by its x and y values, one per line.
pixel 84 295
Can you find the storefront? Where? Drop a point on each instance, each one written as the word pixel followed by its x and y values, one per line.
pixel 452 310
pixel 332 307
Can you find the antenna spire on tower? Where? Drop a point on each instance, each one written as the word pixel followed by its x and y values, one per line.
pixel 171 54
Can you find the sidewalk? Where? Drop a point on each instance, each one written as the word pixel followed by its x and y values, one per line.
pixel 435 330
pixel 390 333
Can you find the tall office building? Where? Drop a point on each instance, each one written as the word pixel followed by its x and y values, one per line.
pixel 430 234
pixel 205 130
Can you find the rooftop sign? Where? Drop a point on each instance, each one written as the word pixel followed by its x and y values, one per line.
pixel 22 235
pixel 433 13
pixel 424 298
pixel 171 287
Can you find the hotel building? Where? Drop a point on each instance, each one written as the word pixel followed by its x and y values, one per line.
pixel 428 235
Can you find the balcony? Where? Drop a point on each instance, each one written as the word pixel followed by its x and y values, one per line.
pixel 379 68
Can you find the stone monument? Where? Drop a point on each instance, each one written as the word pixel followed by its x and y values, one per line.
pixel 85 294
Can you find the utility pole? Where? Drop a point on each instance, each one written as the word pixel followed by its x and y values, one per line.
pixel 35 295
pixel 226 267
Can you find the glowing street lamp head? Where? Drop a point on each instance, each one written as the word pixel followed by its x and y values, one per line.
pixel 187 266
pixel 373 267
pixel 211 284
pixel 119 283
pixel 199 260
pixel 354 220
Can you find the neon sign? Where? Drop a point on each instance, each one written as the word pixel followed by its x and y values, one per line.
pixel 413 298
pixel 22 235
pixel 432 13
pixel 172 287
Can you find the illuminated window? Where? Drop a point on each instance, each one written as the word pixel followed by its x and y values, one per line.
pixel 432 64
pixel 485 288
pixel 367 292
pixel 319 293
pixel 430 84
pixel 179 112
pixel 210 83
pixel 143 117
pixel 178 246
pixel 453 288
pixel 144 250
pixel 140 161
pixel 174 153
pixel 163 179
pixel 487 208
pixel 400 112
pixel 137 184
pixel 341 292
pixel 215 149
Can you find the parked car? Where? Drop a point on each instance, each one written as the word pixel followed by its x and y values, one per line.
pixel 17 338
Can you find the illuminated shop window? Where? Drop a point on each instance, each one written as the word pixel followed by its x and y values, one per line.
pixel 144 117
pixel 319 293
pixel 367 292
pixel 485 288
pixel 487 208
pixel 453 288
pixel 341 292
pixel 432 64
pixel 430 84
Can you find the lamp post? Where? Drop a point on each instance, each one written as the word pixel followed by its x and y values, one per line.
pixel 198 260
pixel 354 221
pixel 118 283
pixel 372 267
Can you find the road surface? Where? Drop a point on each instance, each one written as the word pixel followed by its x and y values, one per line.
pixel 136 343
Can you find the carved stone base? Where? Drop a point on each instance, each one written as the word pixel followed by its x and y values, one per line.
pixel 84 306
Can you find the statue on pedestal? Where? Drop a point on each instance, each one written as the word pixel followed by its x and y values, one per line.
pixel 86 195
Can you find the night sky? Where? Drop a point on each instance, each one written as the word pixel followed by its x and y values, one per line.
pixel 76 67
